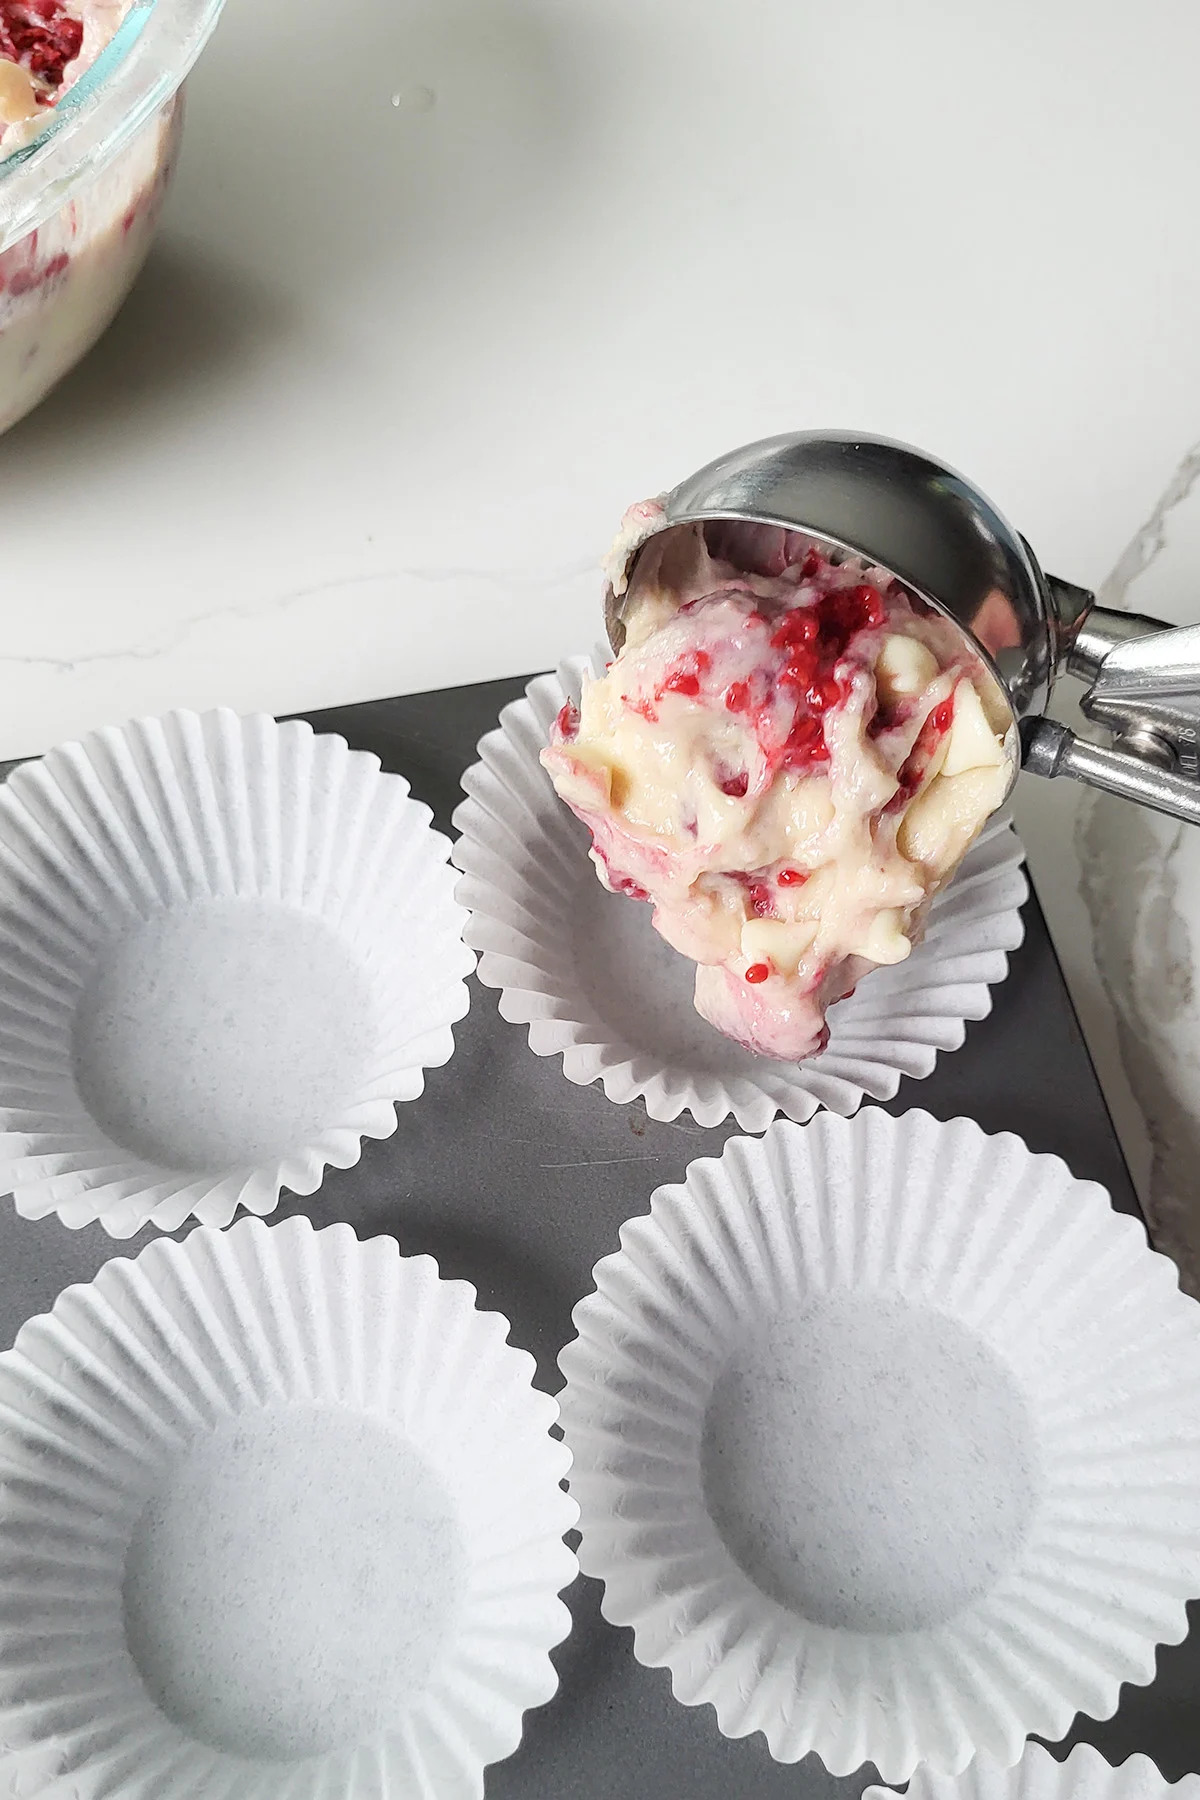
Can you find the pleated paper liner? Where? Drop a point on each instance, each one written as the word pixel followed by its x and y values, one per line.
pixel 886 1440
pixel 280 1519
pixel 228 947
pixel 1083 1775
pixel 585 971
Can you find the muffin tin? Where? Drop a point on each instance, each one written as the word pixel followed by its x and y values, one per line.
pixel 518 1181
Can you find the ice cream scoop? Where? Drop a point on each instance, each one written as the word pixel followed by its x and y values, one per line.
pixel 788 758
pixel 899 510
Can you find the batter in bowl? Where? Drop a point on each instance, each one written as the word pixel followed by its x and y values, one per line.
pixel 61 283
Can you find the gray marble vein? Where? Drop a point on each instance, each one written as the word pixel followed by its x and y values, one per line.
pixel 509 586
pixel 1140 880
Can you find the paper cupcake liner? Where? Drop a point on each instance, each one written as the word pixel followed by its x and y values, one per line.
pixel 596 985
pixel 228 947
pixel 886 1441
pixel 1083 1775
pixel 280 1515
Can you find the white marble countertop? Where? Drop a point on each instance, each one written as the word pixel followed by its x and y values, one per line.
pixel 407 347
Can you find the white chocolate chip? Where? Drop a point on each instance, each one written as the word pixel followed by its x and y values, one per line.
pixel 18 95
pixel 885 941
pixel 781 942
pixel 941 822
pixel 904 667
pixel 972 743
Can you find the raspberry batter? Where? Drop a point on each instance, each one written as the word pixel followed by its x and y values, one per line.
pixel 62 282
pixel 44 47
pixel 787 760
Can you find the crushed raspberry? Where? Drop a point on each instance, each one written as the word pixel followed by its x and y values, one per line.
pixel 812 635
pixel 791 877
pixel 812 639
pixel 762 901
pixel 798 627
pixel 871 602
pixel 850 611
pixel 567 722
pixel 757 972
pixel 684 678
pixel 910 780
pixel 809 640
pixel 760 897
pixel 825 693
pixel 800 669
pixel 806 744
pixel 912 771
pixel 41 36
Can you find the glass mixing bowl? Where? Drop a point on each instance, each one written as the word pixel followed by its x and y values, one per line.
pixel 79 205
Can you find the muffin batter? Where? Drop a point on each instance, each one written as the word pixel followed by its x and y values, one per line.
pixel 787 760
pixel 61 283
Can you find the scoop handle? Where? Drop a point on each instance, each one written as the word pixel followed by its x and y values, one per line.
pixel 1050 749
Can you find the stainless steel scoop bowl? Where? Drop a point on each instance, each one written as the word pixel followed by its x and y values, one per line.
pixel 944 541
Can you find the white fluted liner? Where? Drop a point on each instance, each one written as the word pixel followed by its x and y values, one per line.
pixel 212 1579
pixel 585 971
pixel 1082 1775
pixel 886 1439
pixel 228 947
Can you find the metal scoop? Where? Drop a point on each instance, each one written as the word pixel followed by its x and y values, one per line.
pixel 927 526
